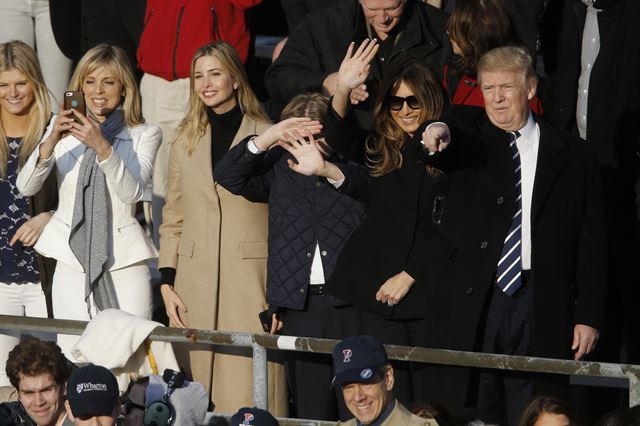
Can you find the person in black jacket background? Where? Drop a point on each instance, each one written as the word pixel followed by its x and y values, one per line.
pixel 316 200
pixel 605 115
pixel 315 48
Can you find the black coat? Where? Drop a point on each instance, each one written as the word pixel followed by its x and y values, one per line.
pixel 388 241
pixel 612 112
pixel 567 237
pixel 614 93
pixel 319 42
pixel 303 210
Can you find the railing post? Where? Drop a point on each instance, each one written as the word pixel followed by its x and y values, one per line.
pixel 634 388
pixel 260 385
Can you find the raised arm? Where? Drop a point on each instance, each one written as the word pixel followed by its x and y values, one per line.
pixel 41 161
pixel 246 169
pixel 353 72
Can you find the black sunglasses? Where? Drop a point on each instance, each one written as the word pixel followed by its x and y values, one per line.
pixel 396 102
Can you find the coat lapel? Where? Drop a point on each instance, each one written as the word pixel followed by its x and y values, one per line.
pixel 203 150
pixel 247 127
pixel 551 160
pixel 203 156
pixel 502 167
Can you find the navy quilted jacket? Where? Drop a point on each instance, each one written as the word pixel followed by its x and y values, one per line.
pixel 303 210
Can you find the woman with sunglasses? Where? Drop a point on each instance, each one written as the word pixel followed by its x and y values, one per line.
pixel 377 267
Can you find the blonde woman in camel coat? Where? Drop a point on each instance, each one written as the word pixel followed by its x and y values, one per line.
pixel 213 244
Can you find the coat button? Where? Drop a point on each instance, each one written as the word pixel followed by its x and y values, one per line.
pixel 468 290
pixel 483 245
pixel 308 254
pixel 302 290
pixel 500 200
pixel 318 184
pixel 324 252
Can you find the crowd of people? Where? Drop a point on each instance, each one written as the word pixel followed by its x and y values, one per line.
pixel 420 177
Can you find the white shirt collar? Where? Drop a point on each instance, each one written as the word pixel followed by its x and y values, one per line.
pixel 529 131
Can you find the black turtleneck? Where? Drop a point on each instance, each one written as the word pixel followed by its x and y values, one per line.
pixel 223 129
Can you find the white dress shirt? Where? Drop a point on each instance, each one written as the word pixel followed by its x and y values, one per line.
pixel 527 144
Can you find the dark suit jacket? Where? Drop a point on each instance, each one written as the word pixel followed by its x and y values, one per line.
pixel 568 259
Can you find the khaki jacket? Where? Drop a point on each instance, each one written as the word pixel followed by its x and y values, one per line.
pixel 400 416
pixel 217 242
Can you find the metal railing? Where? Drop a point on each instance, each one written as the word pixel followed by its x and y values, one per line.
pixel 261 342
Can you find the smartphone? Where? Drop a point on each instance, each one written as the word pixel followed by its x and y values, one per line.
pixel 266 320
pixel 75 100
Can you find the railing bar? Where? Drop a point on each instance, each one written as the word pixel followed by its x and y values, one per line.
pixel 435 356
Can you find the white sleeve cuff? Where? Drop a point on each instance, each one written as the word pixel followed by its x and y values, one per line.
pixel 252 147
pixel 336 183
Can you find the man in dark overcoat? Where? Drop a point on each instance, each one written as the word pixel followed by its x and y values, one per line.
pixel 516 265
pixel 312 55
pixel 594 92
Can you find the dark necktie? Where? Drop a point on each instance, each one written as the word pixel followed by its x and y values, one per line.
pixel 509 271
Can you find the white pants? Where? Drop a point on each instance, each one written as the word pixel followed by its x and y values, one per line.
pixel 19 300
pixel 163 103
pixel 133 288
pixel 30 22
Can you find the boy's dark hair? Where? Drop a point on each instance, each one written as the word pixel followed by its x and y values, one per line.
pixel 33 357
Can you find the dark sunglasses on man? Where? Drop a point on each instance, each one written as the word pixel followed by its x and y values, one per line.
pixel 396 102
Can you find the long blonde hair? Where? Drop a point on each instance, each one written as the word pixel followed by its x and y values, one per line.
pixel 383 151
pixel 194 124
pixel 17 55
pixel 114 58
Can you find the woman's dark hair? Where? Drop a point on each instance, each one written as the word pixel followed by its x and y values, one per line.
pixel 545 404
pixel 383 151
pixel 478 26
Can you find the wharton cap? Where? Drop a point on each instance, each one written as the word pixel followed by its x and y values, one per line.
pixel 92 389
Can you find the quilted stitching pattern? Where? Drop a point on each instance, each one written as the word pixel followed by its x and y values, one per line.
pixel 303 210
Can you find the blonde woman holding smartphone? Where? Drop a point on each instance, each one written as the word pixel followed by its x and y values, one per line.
pixel 103 161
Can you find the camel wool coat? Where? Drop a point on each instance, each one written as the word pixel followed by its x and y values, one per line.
pixel 217 242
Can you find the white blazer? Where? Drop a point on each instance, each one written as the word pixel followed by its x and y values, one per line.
pixel 127 171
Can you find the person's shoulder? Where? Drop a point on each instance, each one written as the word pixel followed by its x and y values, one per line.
pixel 431 11
pixel 337 15
pixel 263 125
pixel 401 415
pixel 464 116
pixel 146 130
pixel 576 146
pixel 351 422
pixel 12 414
pixel 435 18
pixel 550 132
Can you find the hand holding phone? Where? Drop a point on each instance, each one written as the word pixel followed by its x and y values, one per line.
pixel 267 320
pixel 75 100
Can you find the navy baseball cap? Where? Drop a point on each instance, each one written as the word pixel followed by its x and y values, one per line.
pixel 92 389
pixel 358 359
pixel 253 416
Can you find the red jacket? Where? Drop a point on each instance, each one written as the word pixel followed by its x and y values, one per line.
pixel 175 29
pixel 468 92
